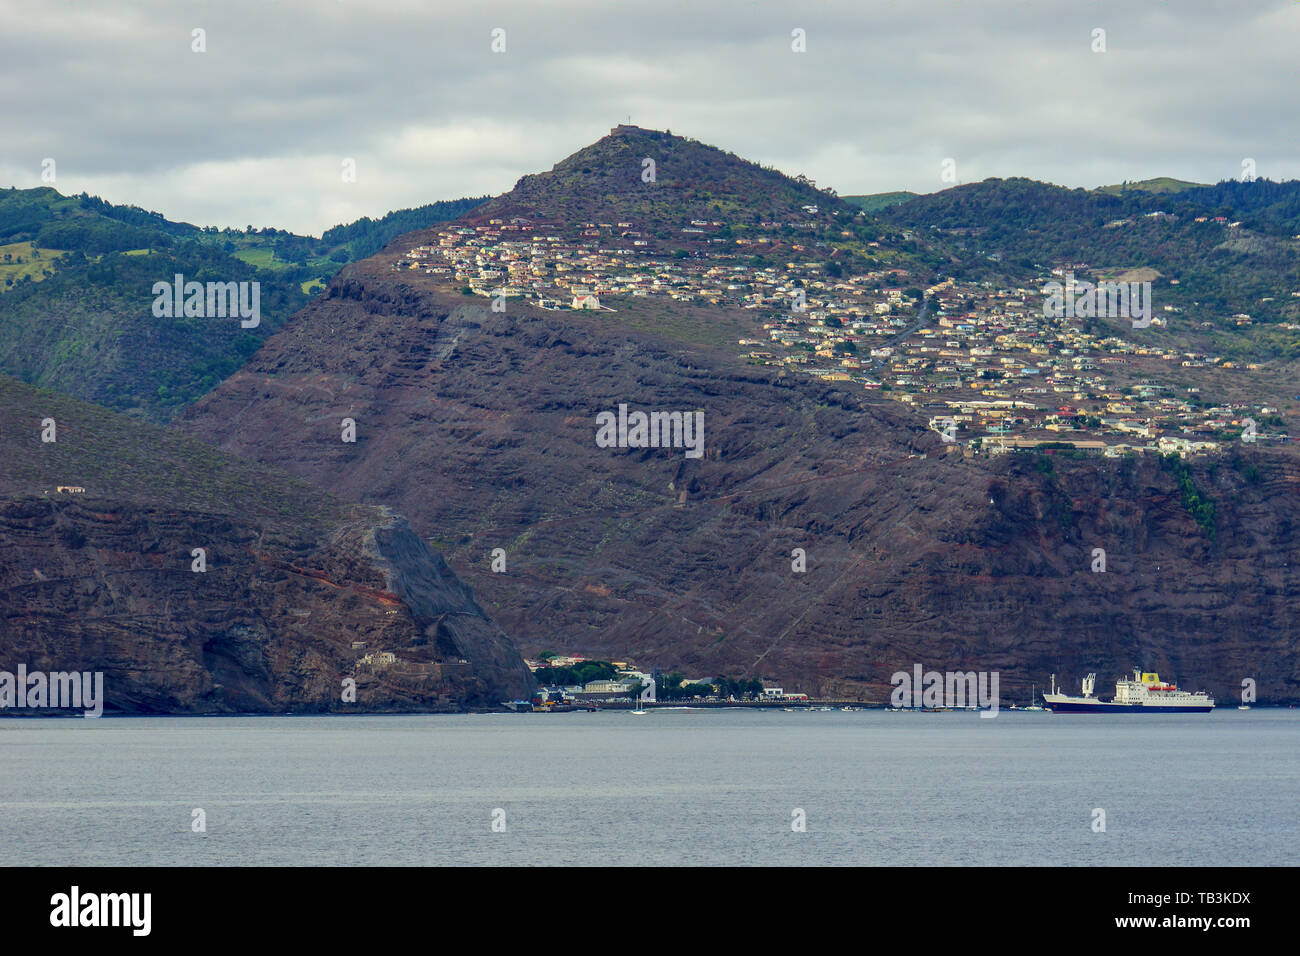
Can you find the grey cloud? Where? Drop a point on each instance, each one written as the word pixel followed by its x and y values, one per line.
pixel 255 129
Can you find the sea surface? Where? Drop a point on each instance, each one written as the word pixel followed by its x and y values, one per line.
pixel 670 787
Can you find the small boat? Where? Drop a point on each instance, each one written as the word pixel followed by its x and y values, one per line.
pixel 1243 706
pixel 1032 699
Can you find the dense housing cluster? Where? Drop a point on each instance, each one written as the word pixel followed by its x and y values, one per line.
pixel 985 364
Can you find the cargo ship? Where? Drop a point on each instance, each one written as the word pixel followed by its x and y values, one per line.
pixel 1144 694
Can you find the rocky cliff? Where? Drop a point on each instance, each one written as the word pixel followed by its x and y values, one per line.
pixel 200 584
pixel 824 539
pixel 481 427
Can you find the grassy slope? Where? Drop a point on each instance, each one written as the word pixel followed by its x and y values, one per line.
pixel 112 456
pixel 35 262
pixel 1161 184
pixel 878 201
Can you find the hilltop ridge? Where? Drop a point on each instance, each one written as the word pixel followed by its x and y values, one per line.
pixel 658 180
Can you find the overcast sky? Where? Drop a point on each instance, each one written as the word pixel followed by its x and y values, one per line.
pixel 256 129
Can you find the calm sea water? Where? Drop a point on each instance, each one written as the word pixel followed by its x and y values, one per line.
pixel 670 787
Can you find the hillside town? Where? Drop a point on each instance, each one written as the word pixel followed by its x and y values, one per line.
pixel 985 365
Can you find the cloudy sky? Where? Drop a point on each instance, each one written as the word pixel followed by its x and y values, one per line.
pixel 256 129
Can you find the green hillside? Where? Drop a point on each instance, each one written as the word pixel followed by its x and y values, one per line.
pixel 111 456
pixel 76 306
pixel 1161 184
pixel 878 201
pixel 1215 252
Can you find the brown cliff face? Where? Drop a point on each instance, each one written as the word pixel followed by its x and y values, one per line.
pixel 105 580
pixel 481 427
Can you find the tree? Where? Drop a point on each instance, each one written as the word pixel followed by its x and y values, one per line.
pixel 670 687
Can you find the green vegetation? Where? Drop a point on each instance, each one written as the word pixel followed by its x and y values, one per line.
pixel 1198 505
pixel 367 236
pixel 76 275
pixel 1161 184
pixel 1006 229
pixel 583 673
pixel 112 456
pixel 875 202
pixel 89 330
pixel 1247 469
pixel 25 262
pixel 739 688
pixel 672 688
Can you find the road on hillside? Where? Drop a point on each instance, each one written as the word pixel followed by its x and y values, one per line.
pixel 918 324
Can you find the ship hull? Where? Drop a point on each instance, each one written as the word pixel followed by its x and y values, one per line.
pixel 1107 707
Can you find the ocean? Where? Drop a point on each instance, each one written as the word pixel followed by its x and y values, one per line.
pixel 711 787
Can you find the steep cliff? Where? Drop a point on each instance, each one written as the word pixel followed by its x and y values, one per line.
pixel 825 538
pixel 199 584
pixel 480 427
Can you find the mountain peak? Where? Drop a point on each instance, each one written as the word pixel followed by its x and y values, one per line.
pixel 663 186
pixel 627 129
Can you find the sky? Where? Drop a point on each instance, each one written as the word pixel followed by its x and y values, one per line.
pixel 260 125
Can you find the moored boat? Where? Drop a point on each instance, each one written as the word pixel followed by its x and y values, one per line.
pixel 1144 694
